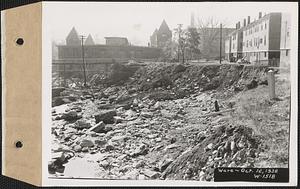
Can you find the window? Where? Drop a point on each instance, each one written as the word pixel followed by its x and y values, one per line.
pixel 287 33
pixel 262 27
pixel 247 43
pixel 286 52
pixel 265 40
pixel 265 54
pixel 233 46
pixel 265 25
pixel 261 40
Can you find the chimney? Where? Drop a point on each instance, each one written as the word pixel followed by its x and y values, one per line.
pixel 244 22
pixel 259 15
pixel 248 20
pixel 239 25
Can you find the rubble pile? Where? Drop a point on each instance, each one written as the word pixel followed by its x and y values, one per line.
pixel 224 147
pixel 194 78
pixel 160 124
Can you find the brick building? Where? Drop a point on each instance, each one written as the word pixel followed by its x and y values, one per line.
pixel 258 41
pixel 162 36
pixel 98 56
pixel 116 48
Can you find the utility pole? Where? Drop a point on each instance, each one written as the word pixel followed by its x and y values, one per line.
pixel 179 40
pixel 65 81
pixel 220 43
pixel 83 61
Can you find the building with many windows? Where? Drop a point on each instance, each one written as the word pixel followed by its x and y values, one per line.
pixel 258 41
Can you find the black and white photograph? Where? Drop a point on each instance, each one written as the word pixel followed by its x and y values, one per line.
pixel 185 91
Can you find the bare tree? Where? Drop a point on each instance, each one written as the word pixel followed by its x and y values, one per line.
pixel 193 42
pixel 182 42
pixel 209 30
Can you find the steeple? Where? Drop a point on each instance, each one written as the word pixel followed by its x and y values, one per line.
pixel 164 27
pixel 72 38
pixel 89 40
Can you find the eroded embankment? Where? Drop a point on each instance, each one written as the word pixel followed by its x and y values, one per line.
pixel 160 123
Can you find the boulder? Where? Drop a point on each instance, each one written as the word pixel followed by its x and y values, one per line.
pixel 77 148
pixel 86 143
pixel 81 124
pixel 106 116
pixel 70 116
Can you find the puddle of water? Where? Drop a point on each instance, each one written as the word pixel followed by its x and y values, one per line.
pixel 79 168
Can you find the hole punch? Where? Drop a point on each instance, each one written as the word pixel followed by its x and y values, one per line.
pixel 19 144
pixel 20 41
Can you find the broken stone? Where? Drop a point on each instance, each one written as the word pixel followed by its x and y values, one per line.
pixel 141 150
pixel 147 114
pixel 210 146
pixel 232 164
pixel 109 147
pixel 81 124
pixel 139 164
pixel 85 149
pixel 77 148
pixel 106 116
pixel 86 143
pixel 164 164
pixel 58 156
pixel 151 174
pixel 118 119
pixel 98 128
pixel 70 116
pixel 171 146
pixel 104 164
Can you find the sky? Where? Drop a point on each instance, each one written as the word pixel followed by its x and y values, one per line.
pixel 138 20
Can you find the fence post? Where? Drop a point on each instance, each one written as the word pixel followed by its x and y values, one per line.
pixel 271 83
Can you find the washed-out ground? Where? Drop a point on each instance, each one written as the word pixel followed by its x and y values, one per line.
pixel 160 123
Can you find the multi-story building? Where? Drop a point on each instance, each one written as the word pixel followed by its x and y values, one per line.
pixel 285 39
pixel 227 48
pixel 97 56
pixel 161 37
pixel 257 42
pixel 234 41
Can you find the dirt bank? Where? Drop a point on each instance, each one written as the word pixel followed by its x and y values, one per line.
pixel 160 123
